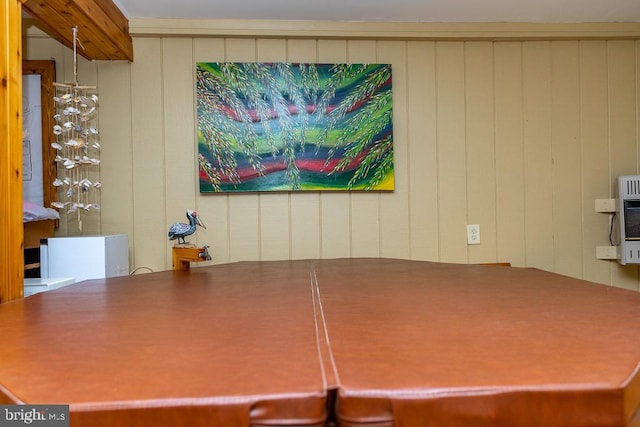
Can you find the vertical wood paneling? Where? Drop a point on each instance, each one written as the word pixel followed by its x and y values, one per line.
pixel 244 219
pixel 520 137
pixel 622 99
pixel 64 73
pixel 305 207
pixel 179 138
pixel 335 207
pixel 594 131
pixel 452 180
pixel 38 45
pixel 66 65
pixel 365 207
pixel 394 207
pixel 422 153
pixel 244 233
pixel 637 92
pixel 68 225
pixel 567 158
pixel 91 221
pixel 148 185
pixel 510 195
pixel 637 133
pixel 275 227
pixel 623 143
pixel 537 150
pixel 215 207
pixel 116 153
pixel 480 150
pixel 275 222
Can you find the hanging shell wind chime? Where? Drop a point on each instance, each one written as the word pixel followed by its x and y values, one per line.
pixel 77 145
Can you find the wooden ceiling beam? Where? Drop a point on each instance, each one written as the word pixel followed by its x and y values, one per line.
pixel 103 31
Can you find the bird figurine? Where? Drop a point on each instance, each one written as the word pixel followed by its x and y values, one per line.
pixel 180 230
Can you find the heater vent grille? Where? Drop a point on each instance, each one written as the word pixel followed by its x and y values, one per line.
pixel 631 186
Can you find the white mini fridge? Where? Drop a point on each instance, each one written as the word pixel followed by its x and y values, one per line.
pixel 85 257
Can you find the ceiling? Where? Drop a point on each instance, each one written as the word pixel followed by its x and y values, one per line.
pixel 390 10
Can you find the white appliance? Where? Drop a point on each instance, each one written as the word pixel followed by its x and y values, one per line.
pixel 85 257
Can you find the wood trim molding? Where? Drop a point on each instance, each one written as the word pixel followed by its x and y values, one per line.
pixel 11 243
pixel 103 31
pixel 381 30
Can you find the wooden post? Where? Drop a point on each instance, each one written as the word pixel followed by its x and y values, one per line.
pixel 11 228
pixel 184 255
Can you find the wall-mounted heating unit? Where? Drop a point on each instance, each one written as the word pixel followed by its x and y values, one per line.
pixel 629 219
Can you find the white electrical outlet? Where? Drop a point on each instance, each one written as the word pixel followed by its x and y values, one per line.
pixel 473 234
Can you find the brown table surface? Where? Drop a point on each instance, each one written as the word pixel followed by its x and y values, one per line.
pixel 378 341
pixel 228 345
pixel 430 344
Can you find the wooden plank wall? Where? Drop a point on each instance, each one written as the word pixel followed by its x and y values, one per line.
pixel 518 136
pixel 11 230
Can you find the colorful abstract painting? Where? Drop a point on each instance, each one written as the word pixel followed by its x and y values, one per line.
pixel 292 127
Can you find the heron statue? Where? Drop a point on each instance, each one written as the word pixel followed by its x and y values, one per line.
pixel 180 230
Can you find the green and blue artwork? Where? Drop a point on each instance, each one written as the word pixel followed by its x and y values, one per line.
pixel 294 127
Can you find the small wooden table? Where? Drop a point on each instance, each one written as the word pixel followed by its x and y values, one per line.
pixel 185 254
